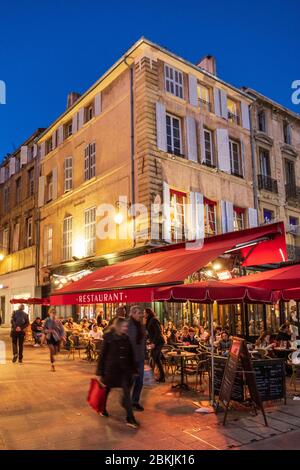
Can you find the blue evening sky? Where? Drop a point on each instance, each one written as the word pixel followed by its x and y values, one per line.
pixel 48 48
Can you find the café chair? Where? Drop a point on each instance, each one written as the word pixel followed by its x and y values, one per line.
pixel 75 345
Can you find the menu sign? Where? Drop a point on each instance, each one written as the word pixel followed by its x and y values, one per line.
pixel 237 393
pixel 270 379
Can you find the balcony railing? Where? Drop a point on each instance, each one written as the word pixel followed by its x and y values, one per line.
pixel 204 104
pixel 292 191
pixel 233 118
pixel 267 183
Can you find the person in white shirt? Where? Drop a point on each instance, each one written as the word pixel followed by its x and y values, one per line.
pixel 96 333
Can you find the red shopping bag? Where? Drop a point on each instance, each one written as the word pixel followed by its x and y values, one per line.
pixel 97 396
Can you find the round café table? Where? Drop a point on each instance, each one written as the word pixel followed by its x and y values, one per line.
pixel 183 355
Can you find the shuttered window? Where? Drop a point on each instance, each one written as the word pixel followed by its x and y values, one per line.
pixel 48 244
pixel 68 173
pixel 238 218
pixel 208 148
pixel 90 231
pixel 173 81
pixel 235 158
pixel 174 140
pixel 177 204
pixel 67 238
pixel 90 161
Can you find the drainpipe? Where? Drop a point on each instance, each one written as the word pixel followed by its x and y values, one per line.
pixel 132 149
pixel 253 159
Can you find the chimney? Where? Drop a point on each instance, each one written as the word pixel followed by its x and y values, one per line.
pixel 208 63
pixel 72 97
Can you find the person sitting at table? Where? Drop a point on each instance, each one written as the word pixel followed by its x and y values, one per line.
pixel 92 323
pixel 218 333
pixel 203 334
pixel 172 338
pixel 96 332
pixel 224 343
pixel 85 324
pixel 37 331
pixel 169 328
pixel 264 341
pixel 284 333
pixel 184 332
pixel 190 338
pixel 70 324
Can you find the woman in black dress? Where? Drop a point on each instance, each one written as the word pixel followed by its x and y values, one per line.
pixel 156 340
pixel 55 333
pixel 116 365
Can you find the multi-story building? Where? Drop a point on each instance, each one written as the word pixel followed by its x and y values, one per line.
pixel 154 128
pixel 18 224
pixel 276 133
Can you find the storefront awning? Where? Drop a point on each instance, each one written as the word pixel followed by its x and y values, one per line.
pixel 210 291
pixel 31 301
pixel 172 265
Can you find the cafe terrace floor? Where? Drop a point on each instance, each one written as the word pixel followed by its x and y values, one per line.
pixel 44 410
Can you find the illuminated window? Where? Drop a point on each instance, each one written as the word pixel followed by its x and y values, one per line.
pixel 68 171
pixel 90 161
pixel 49 187
pixel 174 135
pixel 177 203
pixel 238 218
pixel 204 97
pixel 233 111
pixel 48 244
pixel 173 81
pixel 68 129
pixel 90 231
pixel 67 238
pixel 210 217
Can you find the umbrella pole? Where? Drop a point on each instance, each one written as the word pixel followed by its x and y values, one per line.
pixel 212 354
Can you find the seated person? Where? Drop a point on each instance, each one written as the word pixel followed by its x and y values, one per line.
pixel 169 327
pixel 85 324
pixel 224 343
pixel 184 332
pixel 203 334
pixel 264 341
pixel 92 323
pixel 37 331
pixel 96 332
pixel 284 333
pixel 218 333
pixel 69 325
pixel 190 338
pixel 172 339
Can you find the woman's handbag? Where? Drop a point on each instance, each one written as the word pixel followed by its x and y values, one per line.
pixel 97 396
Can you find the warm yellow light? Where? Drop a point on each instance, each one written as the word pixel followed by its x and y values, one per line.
pixel 79 247
pixel 209 273
pixel 2 256
pixel 217 266
pixel 119 218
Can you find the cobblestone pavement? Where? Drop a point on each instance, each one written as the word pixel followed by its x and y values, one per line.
pixel 40 409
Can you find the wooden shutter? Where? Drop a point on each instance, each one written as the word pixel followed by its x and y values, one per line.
pixel 74 123
pixel 24 155
pixel 80 118
pixel 54 142
pixel 217 101
pixel 223 99
pixel 35 150
pixel 42 150
pixel 193 92
pixel 202 142
pixel 60 135
pixel 252 216
pixel 223 150
pixel 54 181
pixel 245 112
pixel 2 175
pixel 189 218
pixel 97 104
pixel 12 166
pixel 199 216
pixel 191 138
pixel 227 216
pixel 166 228
pixel 161 127
pixel 41 192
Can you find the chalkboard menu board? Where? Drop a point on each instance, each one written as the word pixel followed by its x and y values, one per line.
pixel 270 378
pixel 237 393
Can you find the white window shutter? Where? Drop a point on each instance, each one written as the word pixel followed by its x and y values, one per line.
pixel 217 101
pixel 189 218
pixel 223 150
pixel 202 143
pixel 223 98
pixel 35 150
pixel 12 166
pixel 54 180
pixel 80 118
pixel 191 138
pixel 41 192
pixel 42 150
pixel 24 155
pixel 98 104
pixel 161 126
pixel 60 135
pixel 166 228
pixel 2 175
pixel 54 143
pixel 193 92
pixel 199 216
pixel 227 216
pixel 74 123
pixel 252 216
pixel 245 112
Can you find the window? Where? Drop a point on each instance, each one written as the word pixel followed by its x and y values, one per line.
pixel 16 237
pixel 68 129
pixel 30 153
pixel 6 173
pixel 31 182
pixel 29 232
pixel 264 160
pixel 90 231
pixel 290 173
pixel 174 135
pixel 208 148
pixel 177 203
pixel 48 244
pixel 287 136
pixel 49 145
pixel 233 113
pixel 89 112
pixel 204 97
pixel 293 224
pixel 5 241
pixel 49 187
pixel 173 81
pixel 235 158
pixel 238 218
pixel 261 121
pixel 268 215
pixel 210 217
pixel 6 196
pixel 68 170
pixel 67 238
pixel 90 161
pixel 18 166
pixel 18 190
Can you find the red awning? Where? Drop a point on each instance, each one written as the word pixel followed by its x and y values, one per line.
pixel 171 265
pixel 210 291
pixel 287 277
pixel 291 294
pixel 31 301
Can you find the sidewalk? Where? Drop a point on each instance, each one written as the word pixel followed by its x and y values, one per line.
pixel 40 409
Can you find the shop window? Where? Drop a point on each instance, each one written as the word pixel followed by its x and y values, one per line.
pixel 255 320
pixel 177 203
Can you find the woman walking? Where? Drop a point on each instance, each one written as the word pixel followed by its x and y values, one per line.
pixel 157 341
pixel 116 365
pixel 55 333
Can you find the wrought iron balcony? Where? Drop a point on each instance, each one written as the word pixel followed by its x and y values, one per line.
pixel 267 183
pixel 204 104
pixel 292 192
pixel 233 118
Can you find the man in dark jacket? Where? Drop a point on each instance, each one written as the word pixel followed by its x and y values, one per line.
pixel 156 341
pixel 19 322
pixel 137 336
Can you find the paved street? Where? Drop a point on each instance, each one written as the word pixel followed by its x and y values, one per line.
pixel 40 409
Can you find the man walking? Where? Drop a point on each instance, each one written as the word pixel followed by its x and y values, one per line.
pixel 137 336
pixel 19 322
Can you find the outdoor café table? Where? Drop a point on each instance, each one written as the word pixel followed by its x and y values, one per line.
pixel 188 347
pixel 182 355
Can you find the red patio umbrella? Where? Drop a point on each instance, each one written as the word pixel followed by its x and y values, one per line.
pixel 287 277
